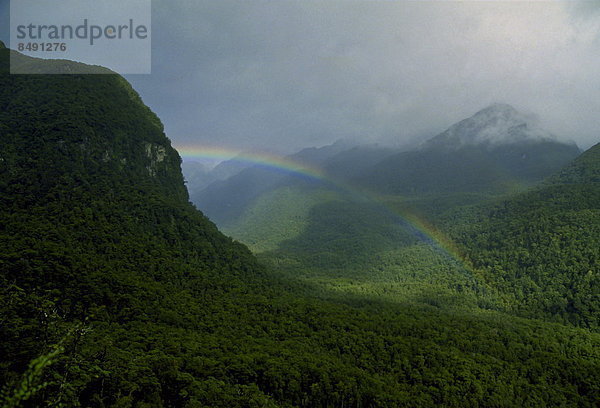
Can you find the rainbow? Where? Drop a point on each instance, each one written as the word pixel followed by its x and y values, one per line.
pixel 263 159
pixel 271 161
pixel 433 234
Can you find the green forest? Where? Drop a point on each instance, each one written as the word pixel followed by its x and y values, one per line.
pixel 115 291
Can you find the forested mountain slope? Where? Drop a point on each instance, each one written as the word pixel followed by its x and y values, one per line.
pixel 96 227
pixel 116 292
pixel 542 247
pixel 584 170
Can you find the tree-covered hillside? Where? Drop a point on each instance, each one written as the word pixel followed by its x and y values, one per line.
pixel 97 234
pixel 584 170
pixel 116 292
pixel 542 248
pixel 471 168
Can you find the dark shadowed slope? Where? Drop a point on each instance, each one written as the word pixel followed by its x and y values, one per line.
pixel 98 238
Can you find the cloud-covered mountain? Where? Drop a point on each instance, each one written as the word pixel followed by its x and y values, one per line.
pixel 498 124
pixel 495 150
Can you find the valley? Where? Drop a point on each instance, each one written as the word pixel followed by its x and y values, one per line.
pixel 420 237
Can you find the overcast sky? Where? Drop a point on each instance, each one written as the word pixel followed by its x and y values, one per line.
pixel 289 74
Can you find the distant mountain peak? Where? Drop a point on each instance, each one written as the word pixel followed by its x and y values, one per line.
pixel 502 114
pixel 496 124
pixel 500 107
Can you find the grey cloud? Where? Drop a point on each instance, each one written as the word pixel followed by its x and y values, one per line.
pixel 286 74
